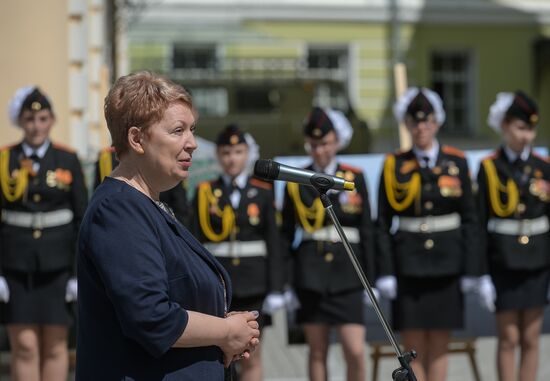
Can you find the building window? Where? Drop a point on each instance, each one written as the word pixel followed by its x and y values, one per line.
pixel 210 101
pixel 452 79
pixel 193 57
pixel 256 100
pixel 327 58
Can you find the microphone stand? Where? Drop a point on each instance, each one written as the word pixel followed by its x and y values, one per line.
pixel 404 372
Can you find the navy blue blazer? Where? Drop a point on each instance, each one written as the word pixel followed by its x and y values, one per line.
pixel 139 271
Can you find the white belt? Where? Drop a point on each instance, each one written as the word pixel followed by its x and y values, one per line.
pixel 38 220
pixel 237 249
pixel 430 224
pixel 518 227
pixel 329 233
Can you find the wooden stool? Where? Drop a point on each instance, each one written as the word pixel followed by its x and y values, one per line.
pixel 467 346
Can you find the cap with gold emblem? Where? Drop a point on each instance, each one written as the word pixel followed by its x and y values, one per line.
pixel 230 136
pixel 321 121
pixel 27 98
pixel 513 106
pixel 419 103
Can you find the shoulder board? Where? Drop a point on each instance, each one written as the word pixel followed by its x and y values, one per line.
pixel 347 167
pixel 7 147
pixel 452 151
pixel 63 147
pixel 261 184
pixel 540 157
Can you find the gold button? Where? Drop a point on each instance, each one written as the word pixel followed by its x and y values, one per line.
pixel 429 244
pixel 524 240
pixel 36 197
pixel 521 208
pixel 37 234
pixel 428 205
pixel 424 227
pixel 236 261
pixel 329 257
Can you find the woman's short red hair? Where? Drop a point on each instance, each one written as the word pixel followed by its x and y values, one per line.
pixel 140 99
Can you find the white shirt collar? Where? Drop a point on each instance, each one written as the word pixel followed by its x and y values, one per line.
pixel 512 155
pixel 40 151
pixel 431 154
pixel 330 169
pixel 240 180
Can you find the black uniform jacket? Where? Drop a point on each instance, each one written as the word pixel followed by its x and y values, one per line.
pixel 532 179
pixel 59 184
pixel 175 198
pixel 324 266
pixel 255 221
pixel 444 189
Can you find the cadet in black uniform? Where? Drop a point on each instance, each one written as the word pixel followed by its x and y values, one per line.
pixel 236 221
pixel 421 262
pixel 175 198
pixel 327 286
pixel 43 200
pixel 514 205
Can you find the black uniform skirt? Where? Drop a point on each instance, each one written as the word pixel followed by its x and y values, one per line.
pixel 428 303
pixel 332 309
pixel 520 289
pixel 37 298
pixel 252 303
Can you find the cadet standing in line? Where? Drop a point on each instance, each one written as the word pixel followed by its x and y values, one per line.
pixel 236 222
pixel 43 200
pixel 420 264
pixel 514 205
pixel 327 286
pixel 175 198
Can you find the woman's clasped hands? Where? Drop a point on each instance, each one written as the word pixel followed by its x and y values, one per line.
pixel 242 336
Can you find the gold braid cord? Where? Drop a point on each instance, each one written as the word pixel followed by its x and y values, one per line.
pixel 12 187
pixel 495 188
pixel 400 195
pixel 105 164
pixel 206 200
pixel 315 212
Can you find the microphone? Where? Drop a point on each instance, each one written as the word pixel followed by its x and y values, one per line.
pixel 271 170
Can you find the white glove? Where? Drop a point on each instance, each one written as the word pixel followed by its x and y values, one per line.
pixel 366 298
pixel 387 285
pixel 71 291
pixel 487 293
pixel 273 302
pixel 4 290
pixel 291 300
pixel 469 284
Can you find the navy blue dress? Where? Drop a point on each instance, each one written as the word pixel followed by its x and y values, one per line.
pixel 139 271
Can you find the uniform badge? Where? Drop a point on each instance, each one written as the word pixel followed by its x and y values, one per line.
pixel 252 192
pixel 28 165
pixel 253 212
pixel 436 170
pixel 527 169
pixel 351 202
pixel 538 173
pixel 408 166
pixel 540 188
pixel 339 174
pixel 60 178
pixel 217 192
pixel 349 176
pixel 449 186
pixel 453 170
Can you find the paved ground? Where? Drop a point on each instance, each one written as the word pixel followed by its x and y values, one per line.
pixel 288 363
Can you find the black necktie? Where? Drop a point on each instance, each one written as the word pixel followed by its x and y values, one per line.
pixel 426 161
pixel 35 158
pixel 519 176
